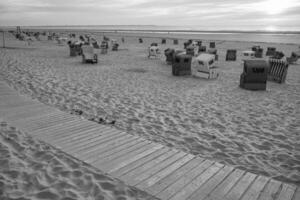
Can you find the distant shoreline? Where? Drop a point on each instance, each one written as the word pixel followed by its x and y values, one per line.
pixel 102 28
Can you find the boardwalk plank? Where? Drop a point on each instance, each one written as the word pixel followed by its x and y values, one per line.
pixel 185 192
pixel 270 191
pixel 287 192
pixel 297 194
pixel 180 183
pixel 119 151
pixel 165 172
pixel 139 162
pixel 238 190
pixel 138 178
pixel 203 191
pixel 139 170
pixel 171 178
pixel 125 157
pixel 223 188
pixel 93 144
pixel 256 188
pixel 127 161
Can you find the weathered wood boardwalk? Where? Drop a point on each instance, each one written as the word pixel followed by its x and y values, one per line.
pixel 161 171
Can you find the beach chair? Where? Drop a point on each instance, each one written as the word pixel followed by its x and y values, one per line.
pixel 163 41
pixel 115 47
pixel 271 51
pixel 190 50
pixel 214 52
pixel 277 55
pixel 181 64
pixel 187 43
pixel 153 44
pixel 255 75
pixel 248 55
pixel 202 49
pixel 231 55
pixel 175 41
pixel 169 53
pixel 293 58
pixel 204 66
pixel 278 70
pixel 153 51
pixel 88 54
pixel 104 47
pixel 140 40
pixel 212 45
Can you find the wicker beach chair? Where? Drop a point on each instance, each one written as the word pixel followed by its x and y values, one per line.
pixel 181 64
pixel 153 51
pixel 278 70
pixel 204 66
pixel 88 54
pixel 169 53
pixel 255 75
pixel 231 55
pixel 271 51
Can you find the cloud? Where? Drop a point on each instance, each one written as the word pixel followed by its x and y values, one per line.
pixel 200 13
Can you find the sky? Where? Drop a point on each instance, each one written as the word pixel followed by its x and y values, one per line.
pixel 270 15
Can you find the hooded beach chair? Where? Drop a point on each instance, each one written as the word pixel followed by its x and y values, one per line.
pixel 153 51
pixel 271 51
pixel 204 66
pixel 255 75
pixel 231 55
pixel 88 54
pixel 181 64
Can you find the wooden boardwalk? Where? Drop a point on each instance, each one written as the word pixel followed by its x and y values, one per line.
pixel 161 171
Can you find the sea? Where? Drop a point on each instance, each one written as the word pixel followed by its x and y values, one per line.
pixel 282 37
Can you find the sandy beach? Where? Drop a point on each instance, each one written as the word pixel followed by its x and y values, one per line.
pixel 253 130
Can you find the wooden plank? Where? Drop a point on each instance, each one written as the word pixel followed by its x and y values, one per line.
pixel 111 149
pixel 180 183
pixel 171 178
pixel 224 187
pixel 297 194
pixel 11 112
pixel 188 189
pixel 287 192
pixel 51 134
pixel 138 178
pixel 31 119
pixel 270 191
pixel 89 145
pixel 139 162
pixel 126 157
pixel 239 189
pixel 211 184
pixel 165 172
pixel 44 123
pixel 36 112
pixel 80 127
pixel 58 126
pixel 148 165
pixel 132 159
pixel 256 188
pixel 77 138
pixel 119 151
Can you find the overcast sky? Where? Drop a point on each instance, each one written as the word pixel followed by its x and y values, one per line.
pixel 201 14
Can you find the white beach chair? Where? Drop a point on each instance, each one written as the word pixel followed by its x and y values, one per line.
pixel 153 51
pixel 204 66
pixel 248 55
pixel 88 54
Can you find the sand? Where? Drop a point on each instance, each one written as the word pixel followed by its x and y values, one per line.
pixel 253 130
pixel 33 170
